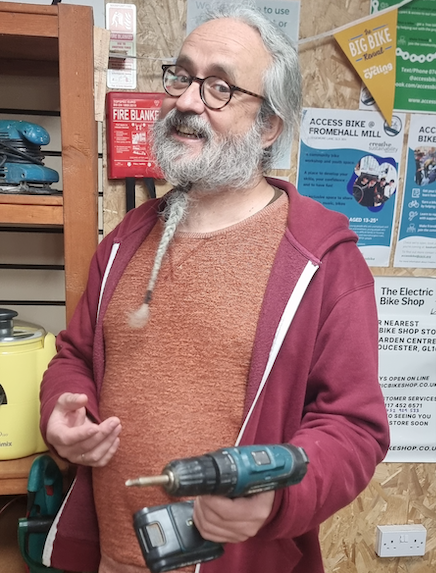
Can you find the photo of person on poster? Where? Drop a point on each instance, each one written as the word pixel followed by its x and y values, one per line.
pixel 374 184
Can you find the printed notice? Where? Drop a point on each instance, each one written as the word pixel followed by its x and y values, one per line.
pixel 407 371
pixel 416 246
pixel 415 78
pixel 121 21
pixel 349 162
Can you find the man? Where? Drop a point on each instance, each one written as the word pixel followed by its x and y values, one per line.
pixel 231 311
pixel 359 187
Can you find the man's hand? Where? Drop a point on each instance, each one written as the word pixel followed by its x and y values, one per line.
pixel 227 520
pixel 76 438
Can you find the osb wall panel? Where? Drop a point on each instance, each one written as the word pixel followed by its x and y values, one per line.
pixel 399 493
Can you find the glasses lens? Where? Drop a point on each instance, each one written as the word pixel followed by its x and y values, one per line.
pixel 216 92
pixel 176 80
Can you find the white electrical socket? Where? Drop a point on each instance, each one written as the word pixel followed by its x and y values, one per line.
pixel 400 540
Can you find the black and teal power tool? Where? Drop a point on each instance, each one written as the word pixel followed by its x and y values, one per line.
pixel 167 535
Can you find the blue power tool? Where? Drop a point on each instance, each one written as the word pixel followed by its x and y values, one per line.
pixel 167 535
pixel 21 160
pixel 44 498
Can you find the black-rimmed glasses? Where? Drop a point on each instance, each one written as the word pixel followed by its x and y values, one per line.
pixel 215 93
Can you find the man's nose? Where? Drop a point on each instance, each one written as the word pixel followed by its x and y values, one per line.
pixel 190 100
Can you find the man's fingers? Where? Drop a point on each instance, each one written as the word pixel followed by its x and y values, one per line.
pixel 70 401
pixel 71 436
pixel 100 456
pixel 231 520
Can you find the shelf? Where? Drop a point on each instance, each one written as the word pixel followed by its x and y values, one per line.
pixel 31 209
pixel 14 473
pixel 38 54
pixel 57 40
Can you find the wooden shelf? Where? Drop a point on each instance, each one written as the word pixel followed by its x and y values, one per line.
pixel 58 40
pixel 32 209
pixel 14 473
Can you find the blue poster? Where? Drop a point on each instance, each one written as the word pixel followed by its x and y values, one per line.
pixel 416 245
pixel 349 162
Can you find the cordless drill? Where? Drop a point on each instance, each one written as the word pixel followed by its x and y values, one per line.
pixel 167 535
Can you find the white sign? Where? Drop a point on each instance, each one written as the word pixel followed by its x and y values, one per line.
pixel 121 21
pixel 407 371
pixel 285 13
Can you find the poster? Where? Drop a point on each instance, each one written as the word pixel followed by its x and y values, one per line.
pixel 285 13
pixel 416 246
pixel 415 85
pixel 349 161
pixel 407 370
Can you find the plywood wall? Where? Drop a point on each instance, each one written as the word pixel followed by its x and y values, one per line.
pixel 400 493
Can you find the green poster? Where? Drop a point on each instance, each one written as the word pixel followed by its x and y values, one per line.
pixel 415 85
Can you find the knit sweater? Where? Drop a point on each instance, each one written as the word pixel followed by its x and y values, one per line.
pixel 180 393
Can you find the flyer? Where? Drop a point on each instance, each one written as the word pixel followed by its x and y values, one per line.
pixel 349 161
pixel 407 365
pixel 415 83
pixel 416 245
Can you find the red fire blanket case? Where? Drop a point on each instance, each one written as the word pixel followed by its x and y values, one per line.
pixel 130 116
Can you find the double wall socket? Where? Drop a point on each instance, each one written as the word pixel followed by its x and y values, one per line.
pixel 400 540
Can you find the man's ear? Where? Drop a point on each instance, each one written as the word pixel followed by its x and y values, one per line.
pixel 272 130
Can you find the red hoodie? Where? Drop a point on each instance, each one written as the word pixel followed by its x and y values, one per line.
pixel 313 382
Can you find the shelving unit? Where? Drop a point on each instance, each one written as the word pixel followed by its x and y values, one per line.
pixel 58 41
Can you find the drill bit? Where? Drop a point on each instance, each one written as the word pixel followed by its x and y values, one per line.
pixel 163 479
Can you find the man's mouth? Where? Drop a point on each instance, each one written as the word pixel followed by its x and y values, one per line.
pixel 189 132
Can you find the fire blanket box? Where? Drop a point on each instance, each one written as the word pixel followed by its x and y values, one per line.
pixel 130 117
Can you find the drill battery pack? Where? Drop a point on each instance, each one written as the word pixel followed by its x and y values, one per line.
pixel 169 539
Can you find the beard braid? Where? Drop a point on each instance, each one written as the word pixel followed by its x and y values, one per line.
pixel 225 162
pixel 173 214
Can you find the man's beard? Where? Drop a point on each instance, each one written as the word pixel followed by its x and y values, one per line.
pixel 225 161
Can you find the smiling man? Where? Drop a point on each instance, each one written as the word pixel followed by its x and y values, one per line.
pixel 232 310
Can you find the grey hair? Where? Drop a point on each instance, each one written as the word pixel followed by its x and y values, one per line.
pixel 282 80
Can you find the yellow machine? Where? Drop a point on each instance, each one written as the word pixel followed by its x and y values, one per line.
pixel 25 351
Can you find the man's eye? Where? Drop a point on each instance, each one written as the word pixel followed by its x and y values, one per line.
pixel 181 78
pixel 178 78
pixel 219 86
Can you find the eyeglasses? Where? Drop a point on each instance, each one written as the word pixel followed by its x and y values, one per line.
pixel 215 93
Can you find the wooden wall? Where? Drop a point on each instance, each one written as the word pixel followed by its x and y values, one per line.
pixel 400 493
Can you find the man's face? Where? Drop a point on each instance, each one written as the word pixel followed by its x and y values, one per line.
pixel 234 52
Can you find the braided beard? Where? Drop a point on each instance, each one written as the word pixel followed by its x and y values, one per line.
pixel 225 161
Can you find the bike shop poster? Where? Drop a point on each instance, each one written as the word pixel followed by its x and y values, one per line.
pixel 407 364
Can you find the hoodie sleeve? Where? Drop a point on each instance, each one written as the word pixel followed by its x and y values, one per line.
pixel 71 370
pixel 80 358
pixel 344 428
